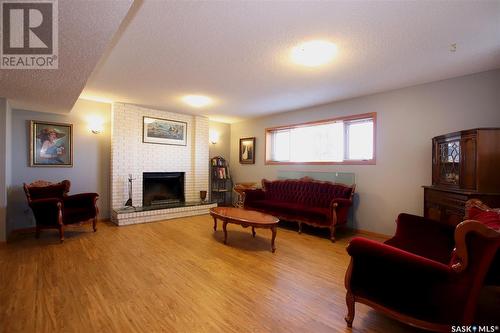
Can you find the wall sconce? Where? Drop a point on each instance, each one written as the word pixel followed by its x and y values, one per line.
pixel 213 136
pixel 96 124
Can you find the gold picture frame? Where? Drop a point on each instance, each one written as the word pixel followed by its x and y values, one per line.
pixel 51 144
pixel 247 150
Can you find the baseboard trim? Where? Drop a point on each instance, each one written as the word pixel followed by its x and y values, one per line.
pixel 370 233
pixel 22 231
pixel 31 230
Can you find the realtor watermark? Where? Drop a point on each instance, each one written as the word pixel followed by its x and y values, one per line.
pixel 29 34
pixel 475 328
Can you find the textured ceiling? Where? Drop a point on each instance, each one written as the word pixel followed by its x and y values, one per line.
pixel 85 30
pixel 237 52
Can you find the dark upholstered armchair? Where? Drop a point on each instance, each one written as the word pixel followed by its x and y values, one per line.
pixel 428 275
pixel 53 208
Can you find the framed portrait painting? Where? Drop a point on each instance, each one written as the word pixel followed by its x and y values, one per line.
pixel 164 131
pixel 247 150
pixel 51 144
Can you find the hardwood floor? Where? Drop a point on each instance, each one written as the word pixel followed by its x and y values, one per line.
pixel 178 276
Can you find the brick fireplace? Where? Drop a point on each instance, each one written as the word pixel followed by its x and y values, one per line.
pixel 159 188
pixel 130 155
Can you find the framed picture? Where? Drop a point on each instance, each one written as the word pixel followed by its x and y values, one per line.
pixel 247 150
pixel 164 131
pixel 51 144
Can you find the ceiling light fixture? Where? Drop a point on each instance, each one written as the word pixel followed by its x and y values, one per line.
pixel 197 101
pixel 314 53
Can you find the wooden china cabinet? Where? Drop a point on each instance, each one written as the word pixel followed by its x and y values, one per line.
pixel 465 165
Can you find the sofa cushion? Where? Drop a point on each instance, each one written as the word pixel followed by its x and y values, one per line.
pixel 289 209
pixel 490 218
pixel 77 214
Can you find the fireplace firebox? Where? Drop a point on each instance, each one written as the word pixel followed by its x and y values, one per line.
pixel 160 188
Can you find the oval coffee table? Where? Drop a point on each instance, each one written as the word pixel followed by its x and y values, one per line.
pixel 245 218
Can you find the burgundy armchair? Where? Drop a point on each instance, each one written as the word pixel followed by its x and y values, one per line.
pixel 53 208
pixel 429 275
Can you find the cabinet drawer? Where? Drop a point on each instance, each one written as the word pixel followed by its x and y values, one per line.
pixel 454 200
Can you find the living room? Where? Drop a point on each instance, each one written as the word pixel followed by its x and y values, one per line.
pixel 229 81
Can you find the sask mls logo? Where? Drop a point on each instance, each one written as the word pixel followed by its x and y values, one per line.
pixel 29 34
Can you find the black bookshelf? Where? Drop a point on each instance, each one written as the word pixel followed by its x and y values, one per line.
pixel 221 183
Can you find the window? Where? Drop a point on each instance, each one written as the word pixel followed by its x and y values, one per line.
pixel 348 140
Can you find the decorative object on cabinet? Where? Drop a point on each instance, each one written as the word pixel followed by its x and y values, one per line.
pixel 51 144
pixel 164 131
pixel 465 166
pixel 221 181
pixel 247 150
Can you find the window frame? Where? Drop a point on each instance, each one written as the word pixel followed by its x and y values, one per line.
pixel 268 138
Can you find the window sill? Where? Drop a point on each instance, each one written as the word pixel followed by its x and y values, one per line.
pixel 351 162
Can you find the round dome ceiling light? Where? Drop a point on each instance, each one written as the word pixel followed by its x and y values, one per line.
pixel 314 53
pixel 197 101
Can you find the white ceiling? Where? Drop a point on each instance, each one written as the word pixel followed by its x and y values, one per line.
pixel 237 52
pixel 85 31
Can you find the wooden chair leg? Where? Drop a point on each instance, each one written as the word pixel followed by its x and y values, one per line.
pixel 332 233
pixel 61 232
pixel 300 227
pixel 349 299
pixel 94 224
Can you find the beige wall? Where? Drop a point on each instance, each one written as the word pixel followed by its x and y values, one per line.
pixel 407 120
pixel 222 147
pixel 91 159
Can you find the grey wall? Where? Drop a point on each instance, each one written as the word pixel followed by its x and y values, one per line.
pixel 5 168
pixel 407 120
pixel 91 159
pixel 222 147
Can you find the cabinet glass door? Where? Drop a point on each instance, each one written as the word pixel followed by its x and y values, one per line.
pixel 449 162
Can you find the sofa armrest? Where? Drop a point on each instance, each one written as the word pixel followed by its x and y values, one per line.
pixel 340 202
pixel 81 199
pixel 383 255
pixel 47 211
pixel 251 195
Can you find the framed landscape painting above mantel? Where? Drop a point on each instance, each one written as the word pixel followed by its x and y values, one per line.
pixel 247 150
pixel 51 144
pixel 164 131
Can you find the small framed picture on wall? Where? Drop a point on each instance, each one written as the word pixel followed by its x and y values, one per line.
pixel 51 144
pixel 247 150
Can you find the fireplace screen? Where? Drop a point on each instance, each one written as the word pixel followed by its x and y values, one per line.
pixel 159 188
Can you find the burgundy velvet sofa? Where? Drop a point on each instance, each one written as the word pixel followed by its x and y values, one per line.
pixel 430 274
pixel 317 203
